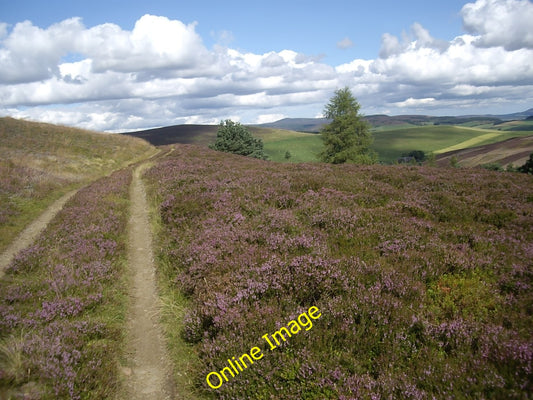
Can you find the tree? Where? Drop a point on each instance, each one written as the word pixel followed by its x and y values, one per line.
pixel 232 137
pixel 347 138
pixel 528 166
pixel 418 155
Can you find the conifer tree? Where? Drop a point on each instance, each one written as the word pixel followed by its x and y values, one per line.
pixel 347 138
pixel 232 137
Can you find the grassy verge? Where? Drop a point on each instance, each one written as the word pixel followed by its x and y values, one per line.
pixel 63 302
pixel 422 276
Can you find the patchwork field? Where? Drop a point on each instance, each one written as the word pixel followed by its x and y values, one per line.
pixel 391 144
pixel 390 141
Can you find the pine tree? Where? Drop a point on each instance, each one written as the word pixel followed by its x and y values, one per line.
pixel 347 138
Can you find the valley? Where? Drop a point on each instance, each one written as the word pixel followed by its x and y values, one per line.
pixel 297 139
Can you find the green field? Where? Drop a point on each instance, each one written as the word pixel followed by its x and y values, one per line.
pixel 389 142
pixel 438 139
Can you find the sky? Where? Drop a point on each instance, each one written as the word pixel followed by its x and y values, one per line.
pixel 128 65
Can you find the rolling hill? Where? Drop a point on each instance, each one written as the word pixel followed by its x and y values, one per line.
pixel 390 141
pixel 319 281
pixel 379 121
pixel 40 162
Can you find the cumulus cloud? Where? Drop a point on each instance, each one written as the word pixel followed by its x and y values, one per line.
pixel 154 43
pixel 505 23
pixel 161 73
pixel 345 43
pixel 30 53
pixel 418 39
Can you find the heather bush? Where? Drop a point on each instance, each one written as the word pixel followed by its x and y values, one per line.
pixel 423 276
pixel 61 301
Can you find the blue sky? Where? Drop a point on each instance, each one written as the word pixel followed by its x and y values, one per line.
pixel 307 26
pixel 129 64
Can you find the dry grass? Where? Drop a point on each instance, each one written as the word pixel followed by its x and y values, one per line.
pixel 40 162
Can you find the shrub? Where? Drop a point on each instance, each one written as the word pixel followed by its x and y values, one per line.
pixel 235 138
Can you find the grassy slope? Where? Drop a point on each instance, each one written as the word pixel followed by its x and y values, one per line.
pixel 303 147
pixel 513 151
pixel 422 276
pixel 40 162
pixel 390 144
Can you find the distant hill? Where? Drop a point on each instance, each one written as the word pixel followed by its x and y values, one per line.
pixel 314 124
pixel 184 134
pixel 298 124
pixel 516 116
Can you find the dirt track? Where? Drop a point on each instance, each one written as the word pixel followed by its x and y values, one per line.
pixel 28 235
pixel 147 370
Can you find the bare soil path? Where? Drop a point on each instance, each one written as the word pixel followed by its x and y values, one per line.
pixel 147 369
pixel 30 233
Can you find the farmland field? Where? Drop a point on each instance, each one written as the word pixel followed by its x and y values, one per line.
pixel 390 141
pixel 422 277
pixel 390 144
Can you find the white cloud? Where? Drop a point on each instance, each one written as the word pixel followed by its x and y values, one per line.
pixel 3 30
pixel 345 43
pixel 410 102
pixel 266 118
pixel 154 43
pixel 160 73
pixel 506 23
pixel 417 40
pixel 30 53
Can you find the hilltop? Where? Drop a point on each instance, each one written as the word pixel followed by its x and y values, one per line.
pixel 71 153
pixel 40 162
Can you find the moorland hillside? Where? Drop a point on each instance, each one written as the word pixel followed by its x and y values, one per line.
pixel 39 162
